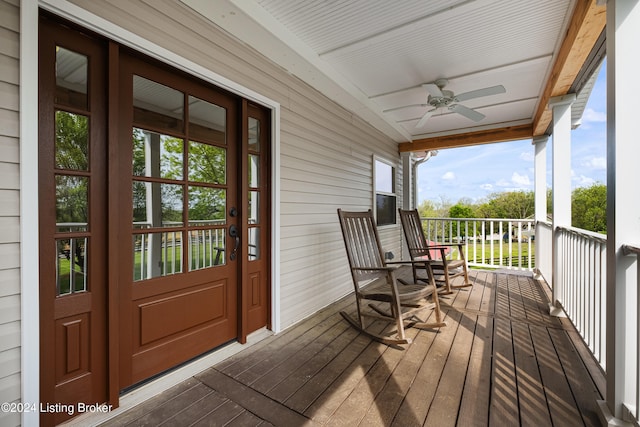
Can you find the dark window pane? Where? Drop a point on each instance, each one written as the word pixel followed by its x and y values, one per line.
pixel 385 209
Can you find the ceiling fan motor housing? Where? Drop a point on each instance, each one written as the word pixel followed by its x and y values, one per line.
pixel 441 101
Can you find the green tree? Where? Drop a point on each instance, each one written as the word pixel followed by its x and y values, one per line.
pixel 461 210
pixel 589 208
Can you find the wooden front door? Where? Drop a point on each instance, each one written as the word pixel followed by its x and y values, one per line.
pixel 178 188
pixel 154 217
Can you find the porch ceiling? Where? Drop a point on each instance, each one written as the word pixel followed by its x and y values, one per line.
pixel 373 56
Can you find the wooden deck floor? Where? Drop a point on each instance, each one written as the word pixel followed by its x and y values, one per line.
pixel 500 361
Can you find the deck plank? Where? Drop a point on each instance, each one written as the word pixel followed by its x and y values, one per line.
pixel 474 405
pixel 501 360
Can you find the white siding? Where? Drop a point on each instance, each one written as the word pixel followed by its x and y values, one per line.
pixel 9 209
pixel 326 151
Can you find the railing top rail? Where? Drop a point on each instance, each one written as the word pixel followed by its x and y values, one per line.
pixel 631 250
pixel 529 220
pixel 602 238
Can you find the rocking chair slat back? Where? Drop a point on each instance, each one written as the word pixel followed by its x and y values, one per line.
pixel 362 244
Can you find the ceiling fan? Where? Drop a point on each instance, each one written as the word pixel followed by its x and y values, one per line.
pixel 440 98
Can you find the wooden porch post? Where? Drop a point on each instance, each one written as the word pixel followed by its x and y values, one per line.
pixel 540 192
pixel 561 164
pixel 623 207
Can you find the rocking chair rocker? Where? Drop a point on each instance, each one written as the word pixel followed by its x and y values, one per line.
pixel 375 281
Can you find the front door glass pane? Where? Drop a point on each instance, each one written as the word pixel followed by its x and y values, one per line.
pixel 206 248
pixel 207 163
pixel 156 106
pixel 157 254
pixel 207 121
pixel 207 206
pixel 156 205
pixel 156 155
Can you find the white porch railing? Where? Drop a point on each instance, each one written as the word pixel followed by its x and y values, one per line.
pixel 544 250
pixel 582 276
pixel 632 401
pixel 489 243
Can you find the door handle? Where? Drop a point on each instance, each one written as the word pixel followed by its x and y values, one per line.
pixel 233 232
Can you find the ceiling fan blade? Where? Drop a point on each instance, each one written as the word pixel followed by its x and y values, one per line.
pixel 493 90
pixel 433 89
pixel 424 118
pixel 405 106
pixel 467 112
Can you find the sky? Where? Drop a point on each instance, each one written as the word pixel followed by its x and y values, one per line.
pixel 475 172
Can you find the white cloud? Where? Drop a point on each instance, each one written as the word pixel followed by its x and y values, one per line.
pixel 449 176
pixel 583 181
pixel 527 156
pixel 520 180
pixel 503 183
pixel 596 163
pixel 592 116
pixel 487 187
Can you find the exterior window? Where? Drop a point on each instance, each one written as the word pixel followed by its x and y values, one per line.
pixel 385 192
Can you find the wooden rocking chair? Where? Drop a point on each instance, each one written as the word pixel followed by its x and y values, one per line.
pixel 419 248
pixel 375 281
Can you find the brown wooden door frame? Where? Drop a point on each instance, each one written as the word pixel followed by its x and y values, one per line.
pixel 73 328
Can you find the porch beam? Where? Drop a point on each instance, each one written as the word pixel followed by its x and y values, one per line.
pixel 510 133
pixel 587 23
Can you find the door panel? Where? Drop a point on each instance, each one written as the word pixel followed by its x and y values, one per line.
pixel 72 202
pixel 180 272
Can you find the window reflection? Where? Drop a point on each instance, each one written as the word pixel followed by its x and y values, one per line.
pixel 207 121
pixel 254 163
pixel 72 202
pixel 207 206
pixel 157 106
pixel 71 265
pixel 72 141
pixel 71 78
pixel 157 205
pixel 254 134
pixel 206 248
pixel 157 254
pixel 254 243
pixel 156 155
pixel 207 163
pixel 254 207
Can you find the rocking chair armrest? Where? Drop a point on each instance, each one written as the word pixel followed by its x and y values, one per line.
pixel 388 268
pixel 410 262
